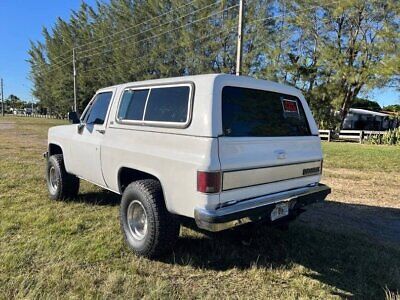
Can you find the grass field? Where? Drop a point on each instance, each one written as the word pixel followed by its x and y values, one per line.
pixel 347 247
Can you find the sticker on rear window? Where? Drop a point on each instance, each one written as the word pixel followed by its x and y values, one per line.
pixel 290 106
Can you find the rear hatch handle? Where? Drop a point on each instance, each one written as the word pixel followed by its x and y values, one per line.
pixel 280 154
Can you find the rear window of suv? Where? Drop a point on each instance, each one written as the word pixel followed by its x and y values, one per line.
pixel 258 113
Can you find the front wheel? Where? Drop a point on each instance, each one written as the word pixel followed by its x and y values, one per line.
pixel 148 228
pixel 61 185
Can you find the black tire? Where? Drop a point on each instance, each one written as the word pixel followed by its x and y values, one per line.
pixel 63 185
pixel 162 227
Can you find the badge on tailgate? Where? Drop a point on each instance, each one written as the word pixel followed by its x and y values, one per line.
pixel 311 171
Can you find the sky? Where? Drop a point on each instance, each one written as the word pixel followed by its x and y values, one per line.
pixel 23 20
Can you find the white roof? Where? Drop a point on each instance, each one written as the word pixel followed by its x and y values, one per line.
pixel 367 112
pixel 211 78
pixel 206 121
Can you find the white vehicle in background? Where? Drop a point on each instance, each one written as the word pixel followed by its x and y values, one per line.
pixel 27 111
pixel 16 111
pixel 223 150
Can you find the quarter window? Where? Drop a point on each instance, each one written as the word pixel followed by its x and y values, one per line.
pixel 168 104
pixel 132 105
pixel 160 104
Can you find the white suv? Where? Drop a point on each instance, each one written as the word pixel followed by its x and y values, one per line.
pixel 222 149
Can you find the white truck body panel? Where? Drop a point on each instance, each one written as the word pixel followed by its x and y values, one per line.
pixel 251 166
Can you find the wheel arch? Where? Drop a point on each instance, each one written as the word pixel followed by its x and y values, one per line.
pixel 127 175
pixel 54 148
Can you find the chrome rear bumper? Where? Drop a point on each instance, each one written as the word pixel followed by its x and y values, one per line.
pixel 258 208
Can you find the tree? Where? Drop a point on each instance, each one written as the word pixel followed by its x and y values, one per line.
pixel 14 102
pixel 347 48
pixel 393 107
pixel 366 104
pixel 332 52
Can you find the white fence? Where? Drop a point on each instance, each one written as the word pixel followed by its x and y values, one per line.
pixel 325 135
pixel 39 116
pixel 349 135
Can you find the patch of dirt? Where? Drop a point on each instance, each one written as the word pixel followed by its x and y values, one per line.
pixel 364 187
pixel 7 125
pixel 361 202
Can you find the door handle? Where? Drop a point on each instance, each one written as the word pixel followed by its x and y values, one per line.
pixel 102 131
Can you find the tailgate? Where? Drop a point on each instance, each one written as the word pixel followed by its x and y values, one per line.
pixel 252 167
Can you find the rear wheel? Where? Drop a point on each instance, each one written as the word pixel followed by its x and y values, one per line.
pixel 148 228
pixel 61 185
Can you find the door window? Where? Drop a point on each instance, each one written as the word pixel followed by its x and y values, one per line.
pixel 99 107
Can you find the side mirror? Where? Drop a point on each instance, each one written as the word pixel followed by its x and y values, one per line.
pixel 80 128
pixel 73 117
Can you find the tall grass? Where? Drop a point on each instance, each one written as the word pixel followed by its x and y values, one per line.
pixel 391 137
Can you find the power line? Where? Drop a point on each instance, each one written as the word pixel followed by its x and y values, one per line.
pixel 55 62
pixel 52 69
pixel 147 30
pixel 168 49
pixel 58 66
pixel 295 11
pixel 198 39
pixel 70 63
pixel 63 65
pixel 165 32
pixel 62 60
pixel 135 26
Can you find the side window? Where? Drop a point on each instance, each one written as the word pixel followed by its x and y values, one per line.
pixel 99 107
pixel 168 104
pixel 158 104
pixel 132 105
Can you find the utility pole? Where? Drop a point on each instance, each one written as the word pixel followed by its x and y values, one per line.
pixel 2 97
pixel 239 39
pixel 74 67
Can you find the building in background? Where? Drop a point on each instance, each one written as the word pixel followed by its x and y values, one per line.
pixel 363 119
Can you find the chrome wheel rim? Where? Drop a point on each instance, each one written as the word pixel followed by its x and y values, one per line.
pixel 137 220
pixel 53 179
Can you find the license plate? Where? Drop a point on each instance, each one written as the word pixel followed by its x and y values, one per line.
pixel 280 210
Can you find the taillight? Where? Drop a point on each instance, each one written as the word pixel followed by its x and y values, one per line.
pixel 208 182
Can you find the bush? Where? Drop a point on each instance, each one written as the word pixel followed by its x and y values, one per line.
pixel 391 137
